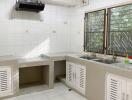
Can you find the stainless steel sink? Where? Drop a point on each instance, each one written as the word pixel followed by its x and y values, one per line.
pixel 97 59
pixel 88 57
pixel 106 61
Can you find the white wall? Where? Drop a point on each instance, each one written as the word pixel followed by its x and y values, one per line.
pixel 56 29
pixel 77 21
pixel 30 34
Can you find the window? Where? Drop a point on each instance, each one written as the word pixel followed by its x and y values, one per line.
pixel 94 31
pixel 115 32
pixel 120 30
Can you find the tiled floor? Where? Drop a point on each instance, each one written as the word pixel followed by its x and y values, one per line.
pixel 60 92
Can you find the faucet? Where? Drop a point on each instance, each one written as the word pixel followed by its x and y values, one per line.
pixel 93 54
pixel 114 58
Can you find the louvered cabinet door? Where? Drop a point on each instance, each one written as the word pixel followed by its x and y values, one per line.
pixel 70 74
pixel 129 90
pixel 5 81
pixel 81 78
pixel 114 88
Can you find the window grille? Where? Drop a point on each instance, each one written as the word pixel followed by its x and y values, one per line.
pixel 120 30
pixel 94 31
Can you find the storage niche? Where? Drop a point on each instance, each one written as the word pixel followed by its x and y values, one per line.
pixel 60 71
pixel 36 75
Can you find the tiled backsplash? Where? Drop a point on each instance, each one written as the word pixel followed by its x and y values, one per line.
pixel 29 33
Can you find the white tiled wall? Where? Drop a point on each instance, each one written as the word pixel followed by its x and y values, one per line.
pixel 30 34
pixel 77 21
pixel 56 29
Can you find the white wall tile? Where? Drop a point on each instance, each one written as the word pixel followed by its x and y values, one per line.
pixel 23 32
pixel 77 21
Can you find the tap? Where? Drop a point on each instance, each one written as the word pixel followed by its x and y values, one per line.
pixel 93 54
pixel 114 57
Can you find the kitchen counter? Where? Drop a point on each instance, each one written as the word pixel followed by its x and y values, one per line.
pixel 96 71
pixel 39 61
pixel 17 62
pixel 63 55
pixel 8 60
pixel 23 62
pixel 119 65
pixel 56 57
pixel 33 62
pixel 75 57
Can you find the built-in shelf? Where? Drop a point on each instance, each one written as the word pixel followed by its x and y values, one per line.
pixel 62 78
pixel 33 76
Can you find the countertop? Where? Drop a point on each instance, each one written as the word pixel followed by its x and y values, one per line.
pixel 96 71
pixel 64 55
pixel 120 64
pixel 59 56
pixel 8 58
pixel 28 62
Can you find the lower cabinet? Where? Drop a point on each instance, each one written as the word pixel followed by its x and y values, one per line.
pixel 118 88
pixel 76 76
pixel 5 81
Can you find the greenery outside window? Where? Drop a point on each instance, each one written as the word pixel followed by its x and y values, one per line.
pixel 109 31
pixel 94 31
pixel 120 30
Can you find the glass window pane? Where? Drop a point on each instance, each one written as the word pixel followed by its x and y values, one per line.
pixel 120 33
pixel 94 31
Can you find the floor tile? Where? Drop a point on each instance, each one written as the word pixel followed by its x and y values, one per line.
pixel 60 92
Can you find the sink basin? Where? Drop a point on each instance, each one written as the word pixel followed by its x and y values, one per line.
pixel 97 59
pixel 106 61
pixel 87 57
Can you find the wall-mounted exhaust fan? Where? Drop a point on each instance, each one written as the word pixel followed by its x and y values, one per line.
pixel 29 5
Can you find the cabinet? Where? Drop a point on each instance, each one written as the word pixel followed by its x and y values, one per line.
pixel 5 81
pixel 129 90
pixel 70 74
pixel 76 76
pixel 118 88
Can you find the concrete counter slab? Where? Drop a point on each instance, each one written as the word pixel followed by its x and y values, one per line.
pixel 33 62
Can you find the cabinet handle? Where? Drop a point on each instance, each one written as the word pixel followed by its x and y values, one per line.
pixel 123 96
pixel 73 76
pixel 127 97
